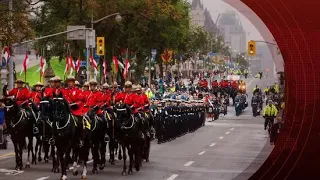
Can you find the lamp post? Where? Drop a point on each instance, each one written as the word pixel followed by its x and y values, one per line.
pixel 118 19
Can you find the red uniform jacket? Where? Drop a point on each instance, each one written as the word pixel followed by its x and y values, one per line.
pixel 106 99
pixel 119 96
pixel 132 99
pixel 21 95
pixel 215 84
pixel 72 95
pixel 235 85
pixel 91 100
pixel 48 92
pixel 36 97
pixel 144 101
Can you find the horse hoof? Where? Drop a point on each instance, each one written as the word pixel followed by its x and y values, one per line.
pixel 18 168
pixel 147 160
pixel 46 161
pixel 129 172
pixel 75 173
pixel 94 171
pixel 39 159
pixel 56 170
pixel 27 165
pixel 124 173
pixel 83 177
pixel 101 167
pixel 112 163
pixel 137 168
pixel 64 177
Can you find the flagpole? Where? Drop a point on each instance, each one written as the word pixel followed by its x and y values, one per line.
pixel 41 53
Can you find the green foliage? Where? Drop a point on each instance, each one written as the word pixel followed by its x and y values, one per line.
pixel 242 61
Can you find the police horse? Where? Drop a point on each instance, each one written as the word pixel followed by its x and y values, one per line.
pixel 18 124
pixel 129 137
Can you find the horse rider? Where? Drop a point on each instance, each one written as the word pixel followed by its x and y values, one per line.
pixel 58 87
pixel 106 99
pixel 85 88
pixel 72 94
pixel 93 100
pixel 36 95
pixel 78 85
pixel 48 91
pixel 20 93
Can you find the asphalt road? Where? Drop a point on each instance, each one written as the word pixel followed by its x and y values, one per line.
pixel 231 147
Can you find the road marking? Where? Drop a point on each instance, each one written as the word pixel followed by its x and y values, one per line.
pixel 227 132
pixel 173 176
pixel 213 144
pixel 7 155
pixel 11 172
pixel 90 161
pixel 188 163
pixel 43 178
pixel 250 82
pixel 232 129
pixel 201 153
pixel 221 137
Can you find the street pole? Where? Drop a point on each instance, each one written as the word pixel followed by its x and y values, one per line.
pixel 11 77
pixel 149 80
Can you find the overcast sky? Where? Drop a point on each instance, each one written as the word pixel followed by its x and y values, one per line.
pixel 218 6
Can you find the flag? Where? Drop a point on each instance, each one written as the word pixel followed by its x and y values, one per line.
pixel 78 64
pixel 42 65
pixel 25 64
pixel 67 66
pixel 105 69
pixel 126 69
pixel 116 64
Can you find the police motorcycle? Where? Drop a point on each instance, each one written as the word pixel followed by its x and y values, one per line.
pixel 256 105
pixel 240 104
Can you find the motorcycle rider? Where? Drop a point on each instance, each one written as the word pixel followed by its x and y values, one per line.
pixel 260 73
pixel 269 113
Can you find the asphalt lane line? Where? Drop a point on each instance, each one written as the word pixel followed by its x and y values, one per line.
pixel 213 144
pixel 7 155
pixel 201 153
pixel 173 176
pixel 227 132
pixel 43 178
pixel 90 161
pixel 188 163
pixel 221 137
pixel 232 129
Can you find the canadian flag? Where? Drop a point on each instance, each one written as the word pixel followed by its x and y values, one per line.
pixel 25 64
pixel 126 68
pixel 69 65
pixel 105 69
pixel 42 66
pixel 78 64
pixel 94 63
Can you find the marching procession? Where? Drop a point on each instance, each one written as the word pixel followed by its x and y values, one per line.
pixel 69 121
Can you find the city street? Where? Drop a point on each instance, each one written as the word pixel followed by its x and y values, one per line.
pixel 231 147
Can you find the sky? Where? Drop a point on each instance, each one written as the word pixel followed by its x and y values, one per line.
pixel 218 6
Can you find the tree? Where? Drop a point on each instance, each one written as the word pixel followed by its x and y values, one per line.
pixel 242 61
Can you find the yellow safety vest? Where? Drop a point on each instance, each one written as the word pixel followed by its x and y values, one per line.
pixel 149 94
pixel 266 89
pixel 270 111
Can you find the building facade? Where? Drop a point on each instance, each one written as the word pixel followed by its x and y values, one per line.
pixel 231 28
pixel 200 16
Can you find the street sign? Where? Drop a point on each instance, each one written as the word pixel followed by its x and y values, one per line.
pixel 90 38
pixel 83 64
pixel 76 35
pixel 211 54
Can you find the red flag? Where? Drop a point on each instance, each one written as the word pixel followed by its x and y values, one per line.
pixel 78 64
pixel 116 63
pixel 25 64
pixel 126 68
pixel 105 69
pixel 94 63
pixel 67 65
pixel 42 65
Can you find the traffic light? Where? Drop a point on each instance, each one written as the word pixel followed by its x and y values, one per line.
pixel 100 46
pixel 252 48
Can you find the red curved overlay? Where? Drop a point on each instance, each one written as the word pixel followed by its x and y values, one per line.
pixel 295 26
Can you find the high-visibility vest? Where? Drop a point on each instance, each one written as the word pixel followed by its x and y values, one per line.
pixel 266 89
pixel 270 111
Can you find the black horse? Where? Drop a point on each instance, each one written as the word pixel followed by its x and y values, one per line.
pixel 17 121
pixel 98 140
pixel 147 125
pixel 37 132
pixel 64 127
pixel 129 137
pixel 45 125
